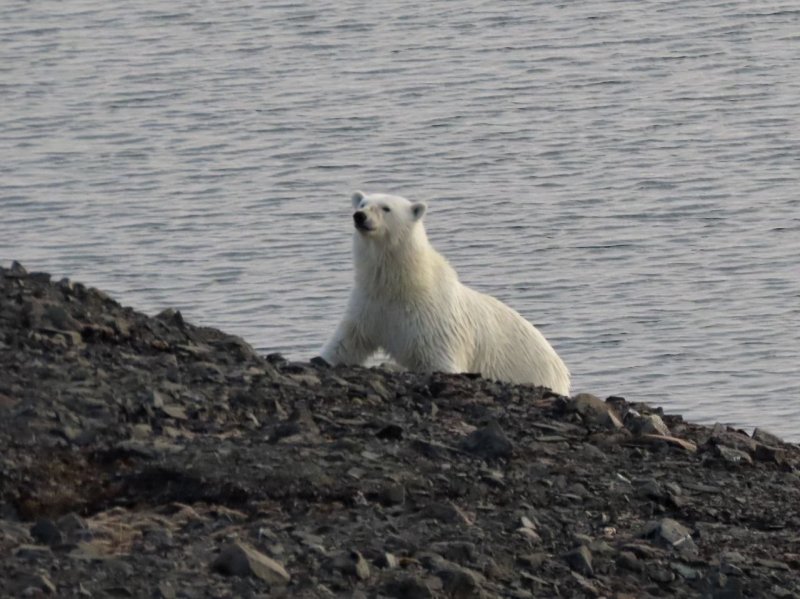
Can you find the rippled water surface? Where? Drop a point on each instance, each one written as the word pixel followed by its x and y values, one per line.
pixel 625 174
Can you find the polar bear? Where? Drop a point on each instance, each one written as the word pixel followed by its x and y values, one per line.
pixel 407 300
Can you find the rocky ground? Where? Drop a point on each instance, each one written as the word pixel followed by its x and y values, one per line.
pixel 146 457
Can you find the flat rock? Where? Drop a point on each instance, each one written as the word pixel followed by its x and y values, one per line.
pixel 595 411
pixel 488 442
pixel 651 424
pixel 671 534
pixel 240 559
pixel 733 456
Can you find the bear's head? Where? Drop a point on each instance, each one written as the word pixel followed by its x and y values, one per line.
pixel 385 218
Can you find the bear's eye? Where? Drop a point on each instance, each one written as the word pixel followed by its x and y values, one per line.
pixel 386 208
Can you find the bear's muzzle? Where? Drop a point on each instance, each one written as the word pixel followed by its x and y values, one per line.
pixel 362 221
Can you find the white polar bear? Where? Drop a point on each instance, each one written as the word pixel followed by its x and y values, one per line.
pixel 408 300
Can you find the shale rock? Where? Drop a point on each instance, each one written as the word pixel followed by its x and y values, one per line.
pixel 148 457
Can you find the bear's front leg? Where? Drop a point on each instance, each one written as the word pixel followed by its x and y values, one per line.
pixel 348 345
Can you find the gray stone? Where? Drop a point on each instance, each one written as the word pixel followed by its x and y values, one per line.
pixel 734 440
pixel 240 559
pixel 685 571
pixel 488 442
pixel 72 523
pixel 651 424
pixel 580 560
pixel 732 456
pixel 459 582
pixel 766 438
pixel 671 534
pixel 660 573
pixel 174 411
pixel 629 561
pixel 651 489
pixel 595 411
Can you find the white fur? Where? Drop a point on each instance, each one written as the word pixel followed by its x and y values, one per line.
pixel 408 300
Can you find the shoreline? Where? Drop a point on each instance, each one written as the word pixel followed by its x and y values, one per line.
pixel 144 456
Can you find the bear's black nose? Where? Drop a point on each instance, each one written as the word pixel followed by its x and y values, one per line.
pixel 360 217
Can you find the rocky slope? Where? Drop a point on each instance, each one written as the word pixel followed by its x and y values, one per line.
pixel 146 457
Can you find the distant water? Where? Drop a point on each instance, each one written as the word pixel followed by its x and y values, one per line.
pixel 625 174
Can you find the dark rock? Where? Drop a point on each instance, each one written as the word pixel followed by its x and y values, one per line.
pixel 766 453
pixel 33 552
pixel 174 439
pixel 459 582
pixel 660 573
pixel 766 438
pixel 407 587
pixel 393 494
pixel 319 362
pixel 17 271
pixel 734 440
pixel 391 432
pixel 580 560
pixel 629 561
pixel 671 534
pixel 172 316
pixel 45 531
pixel 488 442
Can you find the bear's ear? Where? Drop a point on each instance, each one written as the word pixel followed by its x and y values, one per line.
pixel 357 198
pixel 418 210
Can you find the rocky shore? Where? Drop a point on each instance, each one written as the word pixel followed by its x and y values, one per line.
pixel 146 457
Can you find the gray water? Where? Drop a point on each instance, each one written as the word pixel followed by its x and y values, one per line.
pixel 625 174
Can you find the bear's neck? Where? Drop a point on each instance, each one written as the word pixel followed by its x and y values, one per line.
pixel 395 271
